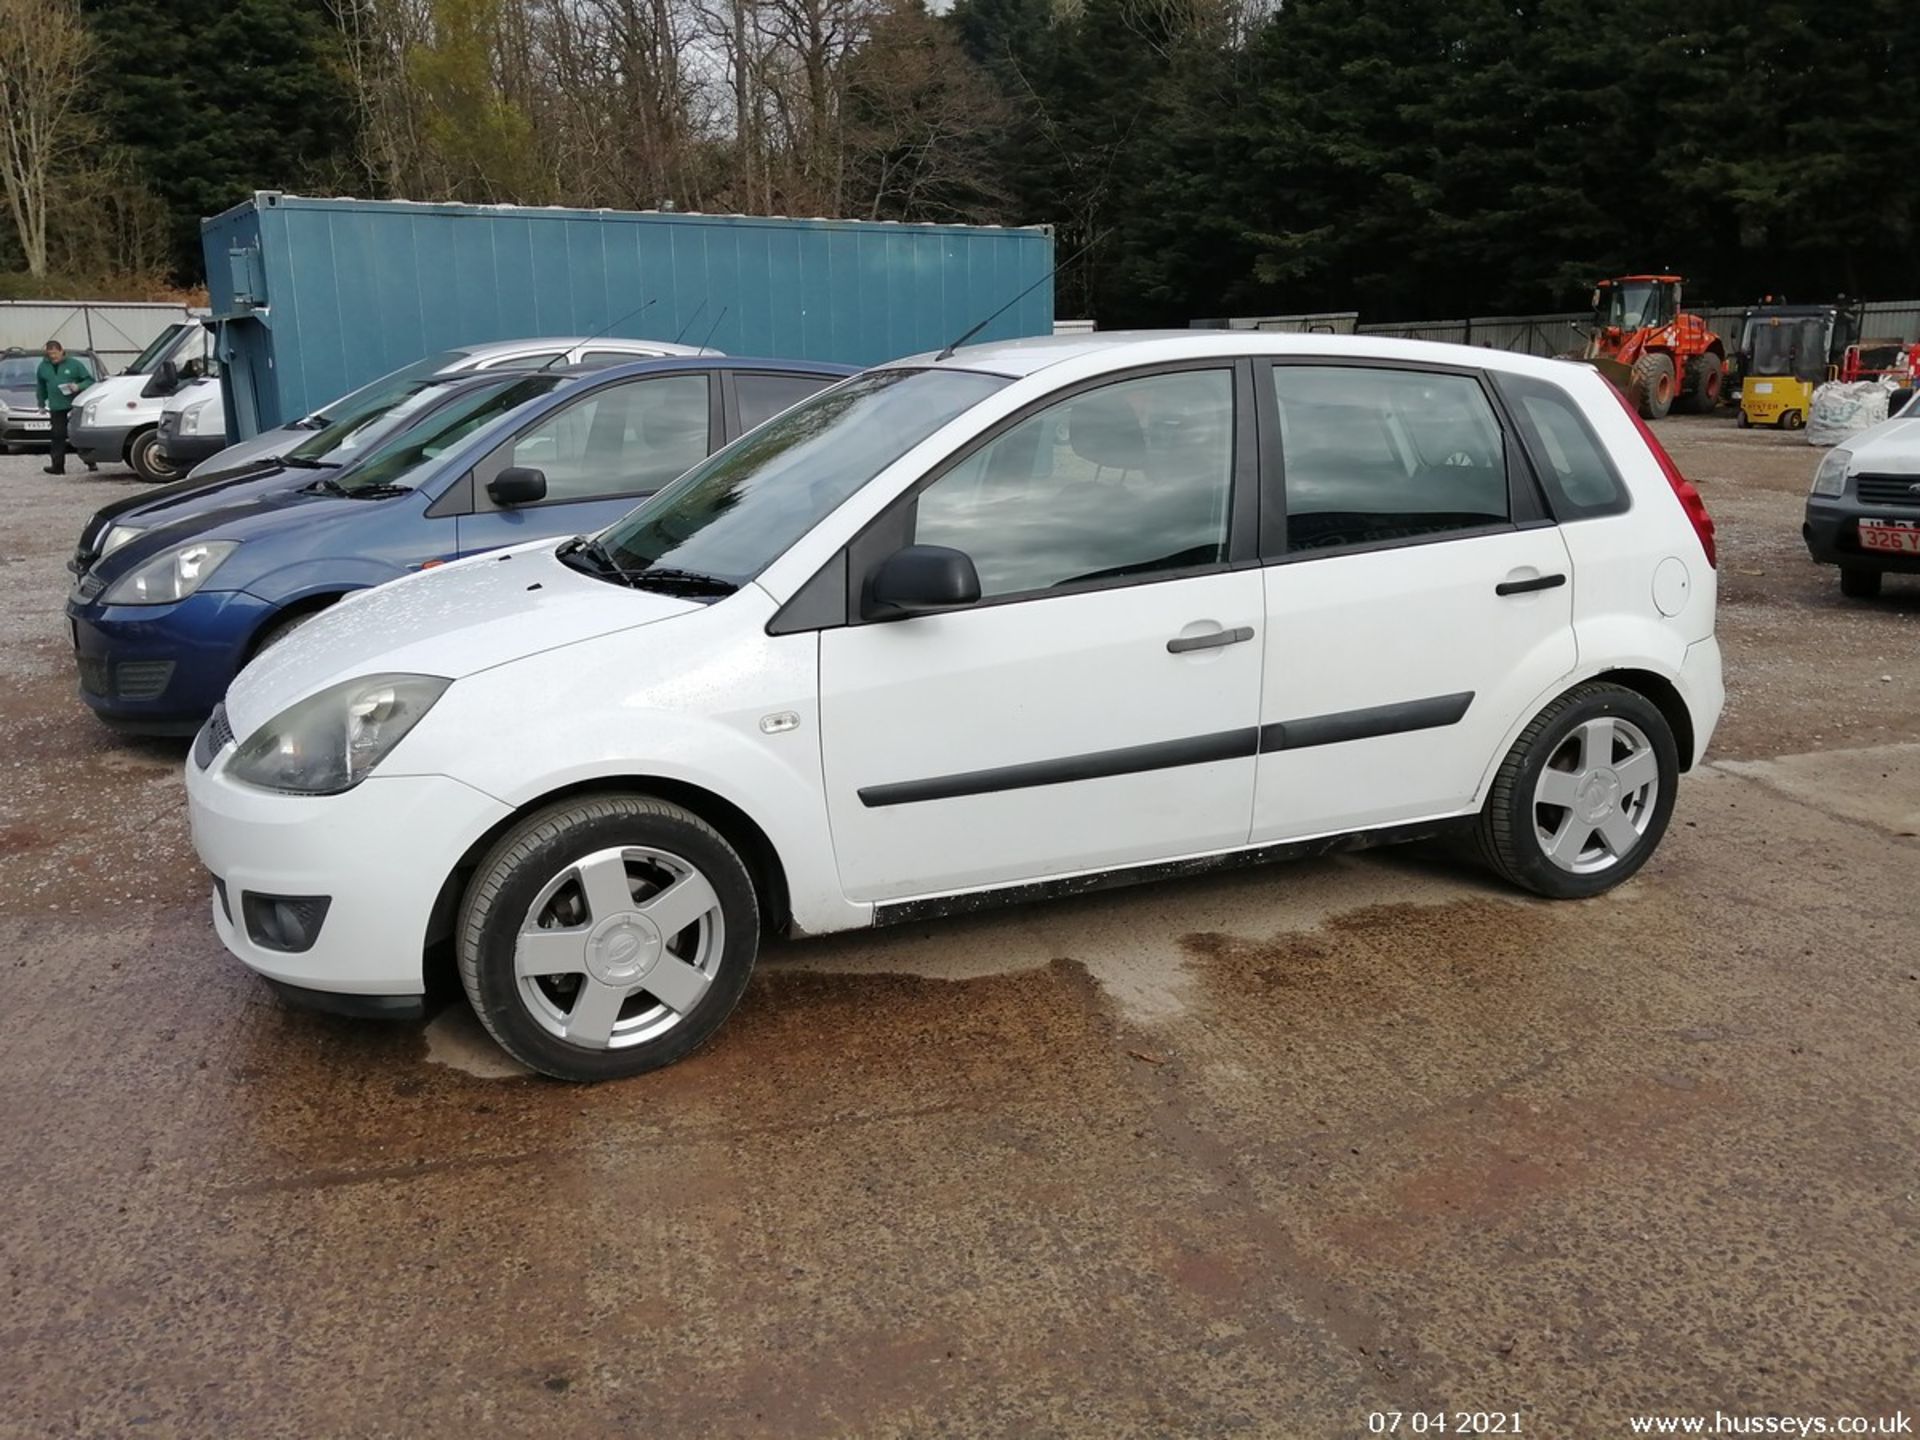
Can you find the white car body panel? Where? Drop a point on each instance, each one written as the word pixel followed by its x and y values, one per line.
pixel 564 680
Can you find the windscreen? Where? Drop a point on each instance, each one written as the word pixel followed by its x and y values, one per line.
pixel 387 463
pixel 733 515
pixel 1631 307
pixel 379 394
pixel 144 362
pixel 340 442
pixel 17 372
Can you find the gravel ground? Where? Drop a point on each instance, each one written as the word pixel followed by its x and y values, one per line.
pixel 1256 1155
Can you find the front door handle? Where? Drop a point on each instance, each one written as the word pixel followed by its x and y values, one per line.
pixel 1523 587
pixel 1181 644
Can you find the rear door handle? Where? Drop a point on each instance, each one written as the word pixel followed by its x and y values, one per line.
pixel 1181 644
pixel 1523 587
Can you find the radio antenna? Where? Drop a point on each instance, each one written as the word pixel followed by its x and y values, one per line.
pixel 601 331
pixel 1060 265
pixel 690 319
pixel 713 327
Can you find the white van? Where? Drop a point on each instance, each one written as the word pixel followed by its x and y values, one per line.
pixel 118 420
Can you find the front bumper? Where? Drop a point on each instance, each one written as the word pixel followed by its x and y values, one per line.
pixel 99 443
pixel 26 427
pixel 161 668
pixel 1832 533
pixel 187 450
pixel 380 853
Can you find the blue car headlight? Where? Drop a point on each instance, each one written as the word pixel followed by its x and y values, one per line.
pixel 171 575
pixel 331 740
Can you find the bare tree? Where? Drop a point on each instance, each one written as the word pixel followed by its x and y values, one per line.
pixel 44 54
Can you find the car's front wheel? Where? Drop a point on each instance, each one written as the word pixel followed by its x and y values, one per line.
pixel 147 461
pixel 607 935
pixel 1859 584
pixel 1584 796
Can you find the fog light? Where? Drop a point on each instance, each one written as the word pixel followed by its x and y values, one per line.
pixel 290 923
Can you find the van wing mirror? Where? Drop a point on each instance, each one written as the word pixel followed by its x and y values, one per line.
pixel 518 485
pixel 921 580
pixel 164 380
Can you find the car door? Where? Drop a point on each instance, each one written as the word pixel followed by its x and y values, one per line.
pixel 601 452
pixel 1418 599
pixel 1096 707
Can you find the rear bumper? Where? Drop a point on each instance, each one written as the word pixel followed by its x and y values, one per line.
pixel 161 668
pixel 1832 534
pixel 1703 688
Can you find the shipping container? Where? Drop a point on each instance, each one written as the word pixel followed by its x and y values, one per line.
pixel 314 297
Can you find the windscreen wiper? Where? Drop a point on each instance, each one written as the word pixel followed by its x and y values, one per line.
pixel 584 548
pixel 301 462
pixel 327 485
pixel 692 582
pixel 375 492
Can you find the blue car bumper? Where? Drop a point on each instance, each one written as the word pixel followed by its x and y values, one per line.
pixel 159 669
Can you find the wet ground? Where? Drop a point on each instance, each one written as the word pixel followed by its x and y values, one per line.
pixel 1256 1155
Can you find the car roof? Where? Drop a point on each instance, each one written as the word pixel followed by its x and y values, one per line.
pixel 533 345
pixel 682 363
pixel 1019 358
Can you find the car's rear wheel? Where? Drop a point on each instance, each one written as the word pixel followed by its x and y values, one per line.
pixel 1584 796
pixel 143 454
pixel 1859 584
pixel 606 936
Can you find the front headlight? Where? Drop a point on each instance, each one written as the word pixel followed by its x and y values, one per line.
pixel 191 417
pixel 118 536
pixel 169 576
pixel 89 413
pixel 329 741
pixel 1831 477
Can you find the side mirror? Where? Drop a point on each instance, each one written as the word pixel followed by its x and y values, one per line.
pixel 921 580
pixel 517 485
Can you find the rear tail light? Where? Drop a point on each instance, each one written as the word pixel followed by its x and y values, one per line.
pixel 1689 497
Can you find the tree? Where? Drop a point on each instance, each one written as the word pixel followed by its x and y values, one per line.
pixel 45 51
pixel 213 99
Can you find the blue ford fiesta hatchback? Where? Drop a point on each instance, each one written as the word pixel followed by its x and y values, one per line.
pixel 172 598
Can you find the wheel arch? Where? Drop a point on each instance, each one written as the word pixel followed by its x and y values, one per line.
pixel 309 604
pixel 1665 697
pixel 740 830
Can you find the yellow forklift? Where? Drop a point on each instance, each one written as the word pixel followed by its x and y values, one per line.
pixel 1785 351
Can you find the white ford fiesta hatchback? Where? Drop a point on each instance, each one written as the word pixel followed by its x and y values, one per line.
pixel 1028 619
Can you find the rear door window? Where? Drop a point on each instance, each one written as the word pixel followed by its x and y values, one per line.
pixel 1374 457
pixel 761 397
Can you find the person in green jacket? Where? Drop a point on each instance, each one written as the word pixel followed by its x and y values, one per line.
pixel 59 378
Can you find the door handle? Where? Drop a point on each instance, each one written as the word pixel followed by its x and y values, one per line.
pixel 1181 644
pixel 1524 587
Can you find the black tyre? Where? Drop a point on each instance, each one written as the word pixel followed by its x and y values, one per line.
pixel 1792 420
pixel 1584 796
pixel 607 936
pixel 280 629
pixel 1705 375
pixel 1740 419
pixel 143 454
pixel 1858 584
pixel 1652 386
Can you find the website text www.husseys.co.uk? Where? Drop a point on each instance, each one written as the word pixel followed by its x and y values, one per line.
pixel 1722 1423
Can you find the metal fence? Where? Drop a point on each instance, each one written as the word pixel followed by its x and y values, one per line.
pixel 116 331
pixel 1551 334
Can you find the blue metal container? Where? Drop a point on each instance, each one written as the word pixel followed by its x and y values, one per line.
pixel 315 297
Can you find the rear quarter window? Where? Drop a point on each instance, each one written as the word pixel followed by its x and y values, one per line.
pixel 1580 481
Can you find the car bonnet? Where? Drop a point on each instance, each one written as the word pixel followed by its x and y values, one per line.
pixel 452 621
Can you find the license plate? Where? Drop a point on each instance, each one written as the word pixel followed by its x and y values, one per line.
pixel 1902 537
pixel 36 424
pixel 1763 387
